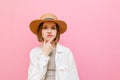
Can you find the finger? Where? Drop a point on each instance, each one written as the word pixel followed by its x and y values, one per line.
pixel 44 42
pixel 50 45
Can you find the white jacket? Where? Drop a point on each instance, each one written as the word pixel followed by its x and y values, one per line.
pixel 64 61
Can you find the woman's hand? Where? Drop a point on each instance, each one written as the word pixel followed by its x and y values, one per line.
pixel 47 47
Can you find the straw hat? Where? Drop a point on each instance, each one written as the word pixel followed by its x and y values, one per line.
pixel 48 17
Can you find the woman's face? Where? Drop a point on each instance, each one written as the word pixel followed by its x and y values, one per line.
pixel 49 30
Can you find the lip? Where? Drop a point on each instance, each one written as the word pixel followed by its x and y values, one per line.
pixel 49 35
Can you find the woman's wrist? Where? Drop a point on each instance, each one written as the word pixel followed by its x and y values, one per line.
pixel 45 54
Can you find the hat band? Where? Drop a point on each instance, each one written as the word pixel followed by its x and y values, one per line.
pixel 48 19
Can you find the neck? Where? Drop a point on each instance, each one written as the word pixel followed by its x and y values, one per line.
pixel 54 44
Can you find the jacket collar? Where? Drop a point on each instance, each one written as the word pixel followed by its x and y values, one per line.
pixel 59 48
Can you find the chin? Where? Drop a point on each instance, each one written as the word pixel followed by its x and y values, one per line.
pixel 47 39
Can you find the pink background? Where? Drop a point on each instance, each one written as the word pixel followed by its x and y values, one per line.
pixel 93 35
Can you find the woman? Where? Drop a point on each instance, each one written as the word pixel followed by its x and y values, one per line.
pixel 51 61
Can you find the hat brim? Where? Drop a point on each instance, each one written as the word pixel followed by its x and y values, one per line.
pixel 35 24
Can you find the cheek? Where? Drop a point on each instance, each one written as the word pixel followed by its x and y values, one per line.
pixel 55 33
pixel 43 33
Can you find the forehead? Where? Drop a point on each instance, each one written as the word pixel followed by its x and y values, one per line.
pixel 49 23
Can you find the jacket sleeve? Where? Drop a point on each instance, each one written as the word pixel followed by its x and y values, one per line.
pixel 73 69
pixel 38 66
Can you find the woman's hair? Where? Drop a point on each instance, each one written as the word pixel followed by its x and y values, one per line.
pixel 40 37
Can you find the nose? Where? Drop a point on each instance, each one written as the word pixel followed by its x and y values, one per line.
pixel 49 30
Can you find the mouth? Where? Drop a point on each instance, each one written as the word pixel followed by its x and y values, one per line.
pixel 49 35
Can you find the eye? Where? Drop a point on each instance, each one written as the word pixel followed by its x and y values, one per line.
pixel 44 27
pixel 54 28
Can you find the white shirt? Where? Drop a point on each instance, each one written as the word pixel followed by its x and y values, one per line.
pixel 64 61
